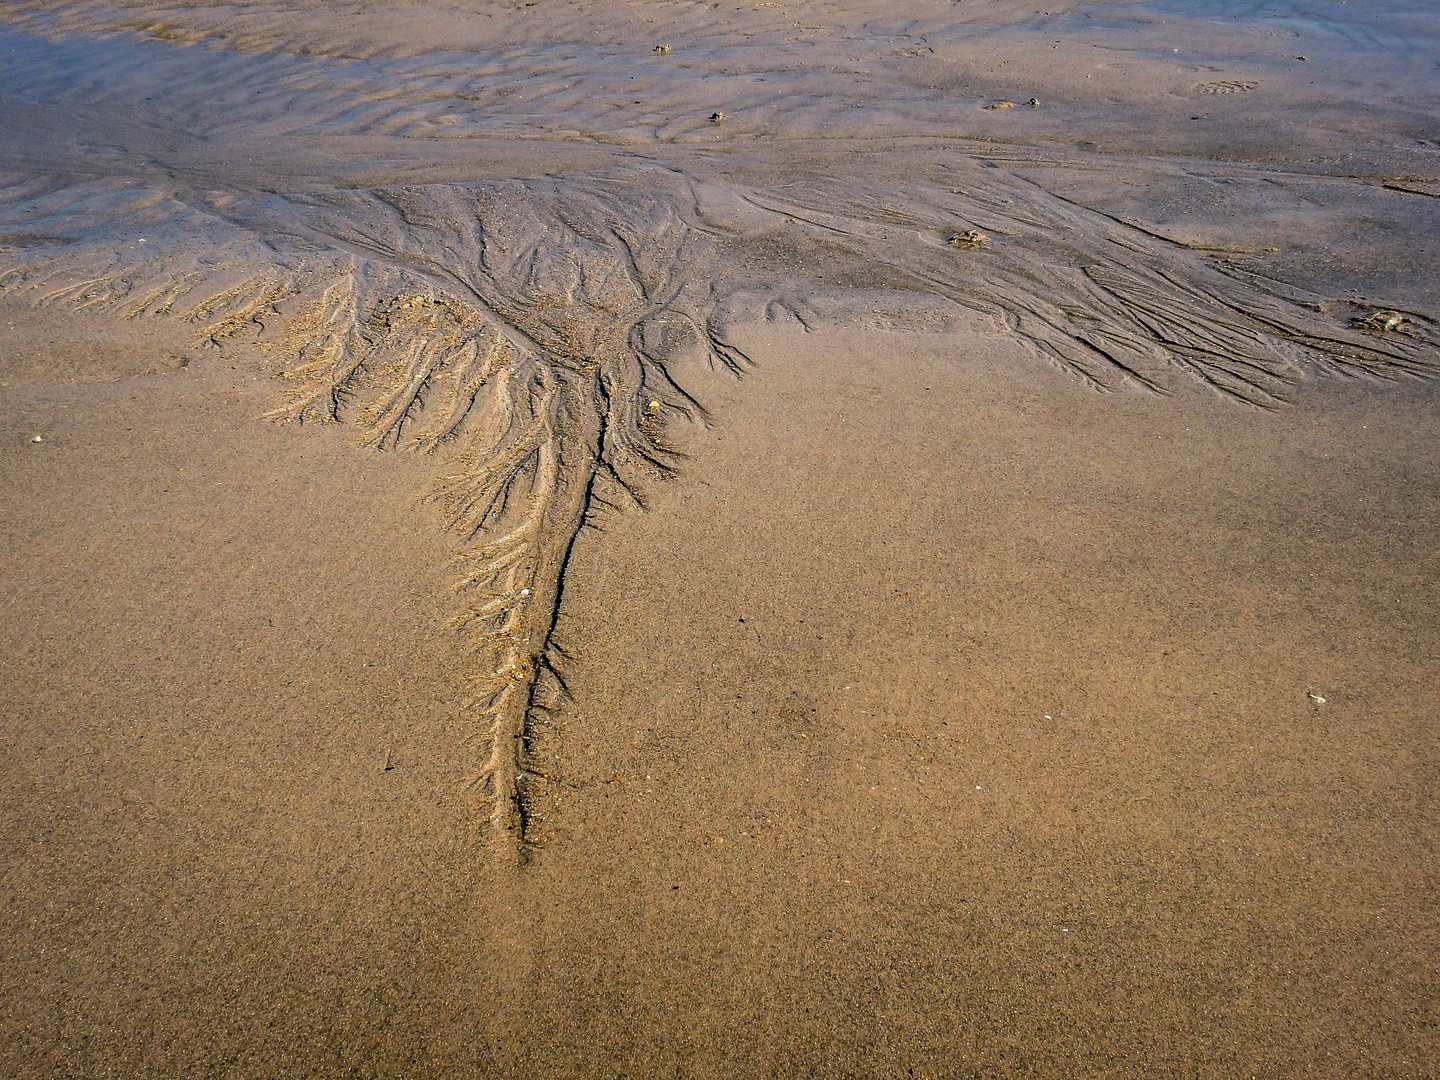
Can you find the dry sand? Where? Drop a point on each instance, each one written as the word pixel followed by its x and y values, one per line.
pixel 1027 670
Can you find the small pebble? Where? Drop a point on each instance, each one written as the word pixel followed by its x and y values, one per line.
pixel 1034 103
pixel 38 438
pixel 717 118
pixel 662 49
pixel 1001 105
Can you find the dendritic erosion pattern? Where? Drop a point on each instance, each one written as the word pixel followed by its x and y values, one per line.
pixel 526 333
pixel 524 338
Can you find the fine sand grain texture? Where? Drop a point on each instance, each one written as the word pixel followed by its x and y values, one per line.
pixel 675 539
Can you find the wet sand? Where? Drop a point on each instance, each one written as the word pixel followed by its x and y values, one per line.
pixel 967 704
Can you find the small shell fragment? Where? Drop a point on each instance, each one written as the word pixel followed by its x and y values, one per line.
pixel 1378 322
pixel 717 118
pixel 1034 103
pixel 971 238
pixel 38 438
pixel 662 49
pixel 1001 105
pixel 1316 698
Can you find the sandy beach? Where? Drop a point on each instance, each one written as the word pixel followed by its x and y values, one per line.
pixel 648 539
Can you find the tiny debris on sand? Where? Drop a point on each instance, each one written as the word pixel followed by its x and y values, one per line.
pixel 1379 322
pixel 970 238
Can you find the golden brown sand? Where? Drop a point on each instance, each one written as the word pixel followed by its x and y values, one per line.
pixel 1027 670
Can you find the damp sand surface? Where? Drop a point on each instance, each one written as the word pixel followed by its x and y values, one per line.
pixel 878 654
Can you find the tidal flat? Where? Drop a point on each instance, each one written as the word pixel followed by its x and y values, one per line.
pixel 646 538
